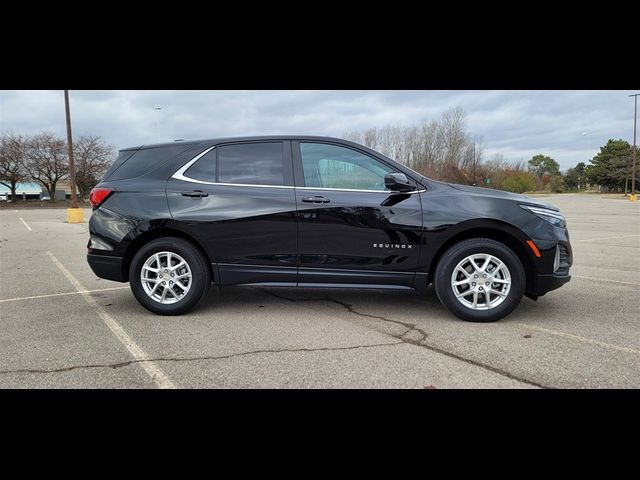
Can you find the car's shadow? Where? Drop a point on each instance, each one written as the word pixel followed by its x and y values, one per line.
pixel 404 305
pixel 244 295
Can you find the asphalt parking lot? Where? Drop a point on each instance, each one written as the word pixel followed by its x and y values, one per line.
pixel 62 327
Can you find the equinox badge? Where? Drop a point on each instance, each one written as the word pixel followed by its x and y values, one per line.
pixel 392 245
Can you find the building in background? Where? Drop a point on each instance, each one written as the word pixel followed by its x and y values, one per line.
pixel 34 191
pixel 24 191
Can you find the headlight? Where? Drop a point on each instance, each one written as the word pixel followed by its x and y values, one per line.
pixel 551 216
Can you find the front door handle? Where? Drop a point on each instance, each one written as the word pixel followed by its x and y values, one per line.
pixel 316 199
pixel 195 194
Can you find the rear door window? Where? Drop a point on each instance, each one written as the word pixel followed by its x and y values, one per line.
pixel 251 163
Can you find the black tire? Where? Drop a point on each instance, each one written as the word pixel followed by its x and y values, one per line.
pixel 458 253
pixel 200 276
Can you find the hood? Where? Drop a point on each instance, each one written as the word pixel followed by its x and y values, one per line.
pixel 490 192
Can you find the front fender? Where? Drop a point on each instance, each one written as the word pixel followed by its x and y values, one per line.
pixel 435 240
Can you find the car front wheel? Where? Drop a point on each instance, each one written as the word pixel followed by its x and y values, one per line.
pixel 169 276
pixel 480 280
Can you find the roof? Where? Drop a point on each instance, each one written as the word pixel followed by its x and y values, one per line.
pixel 242 139
pixel 23 187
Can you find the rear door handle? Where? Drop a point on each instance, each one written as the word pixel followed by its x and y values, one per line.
pixel 316 199
pixel 195 194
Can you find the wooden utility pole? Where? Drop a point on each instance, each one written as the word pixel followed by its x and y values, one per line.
pixel 635 148
pixel 72 166
pixel 474 163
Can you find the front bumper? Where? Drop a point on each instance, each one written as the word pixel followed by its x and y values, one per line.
pixel 551 270
pixel 106 266
pixel 546 283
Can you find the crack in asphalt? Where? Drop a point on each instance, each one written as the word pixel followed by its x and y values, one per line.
pixel 193 359
pixel 410 327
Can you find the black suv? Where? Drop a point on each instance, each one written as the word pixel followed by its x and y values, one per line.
pixel 315 212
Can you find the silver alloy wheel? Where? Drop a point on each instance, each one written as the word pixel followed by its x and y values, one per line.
pixel 166 277
pixel 481 281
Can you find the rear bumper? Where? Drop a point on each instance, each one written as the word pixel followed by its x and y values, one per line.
pixel 107 267
pixel 546 283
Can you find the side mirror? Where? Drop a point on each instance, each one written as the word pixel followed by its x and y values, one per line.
pixel 398 182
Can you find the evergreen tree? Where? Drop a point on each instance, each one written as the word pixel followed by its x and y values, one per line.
pixel 610 166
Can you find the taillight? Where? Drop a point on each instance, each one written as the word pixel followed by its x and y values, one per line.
pixel 99 195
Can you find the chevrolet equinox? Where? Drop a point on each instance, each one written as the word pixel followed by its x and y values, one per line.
pixel 315 212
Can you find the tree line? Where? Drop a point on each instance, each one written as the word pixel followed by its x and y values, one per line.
pixel 43 158
pixel 610 169
pixel 443 149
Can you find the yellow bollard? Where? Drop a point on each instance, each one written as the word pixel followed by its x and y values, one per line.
pixel 75 215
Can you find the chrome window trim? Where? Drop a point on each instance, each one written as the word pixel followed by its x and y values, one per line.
pixel 387 192
pixel 180 175
pixel 243 184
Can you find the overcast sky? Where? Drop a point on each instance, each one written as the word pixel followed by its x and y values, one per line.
pixel 517 124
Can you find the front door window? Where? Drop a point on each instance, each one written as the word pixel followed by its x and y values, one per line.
pixel 333 167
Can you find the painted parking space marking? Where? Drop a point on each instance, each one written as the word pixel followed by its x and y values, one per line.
pixel 160 378
pixel 606 238
pixel 35 297
pixel 605 280
pixel 579 338
pixel 25 224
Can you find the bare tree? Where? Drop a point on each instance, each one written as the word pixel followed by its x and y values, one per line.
pixel 354 137
pixel 370 138
pixel 12 157
pixel 494 169
pixel 454 137
pixel 46 161
pixel 92 159
pixel 441 149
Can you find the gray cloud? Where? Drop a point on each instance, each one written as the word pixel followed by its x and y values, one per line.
pixel 517 124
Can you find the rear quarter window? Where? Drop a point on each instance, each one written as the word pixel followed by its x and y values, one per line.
pixel 143 161
pixel 123 156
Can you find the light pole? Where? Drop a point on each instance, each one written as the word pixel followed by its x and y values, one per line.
pixel 157 107
pixel 634 151
pixel 588 144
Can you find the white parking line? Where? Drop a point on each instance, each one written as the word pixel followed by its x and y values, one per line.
pixel 606 238
pixel 604 280
pixel 591 341
pixel 60 294
pixel 25 224
pixel 160 378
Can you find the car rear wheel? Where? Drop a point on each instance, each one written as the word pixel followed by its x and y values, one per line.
pixel 480 280
pixel 169 276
